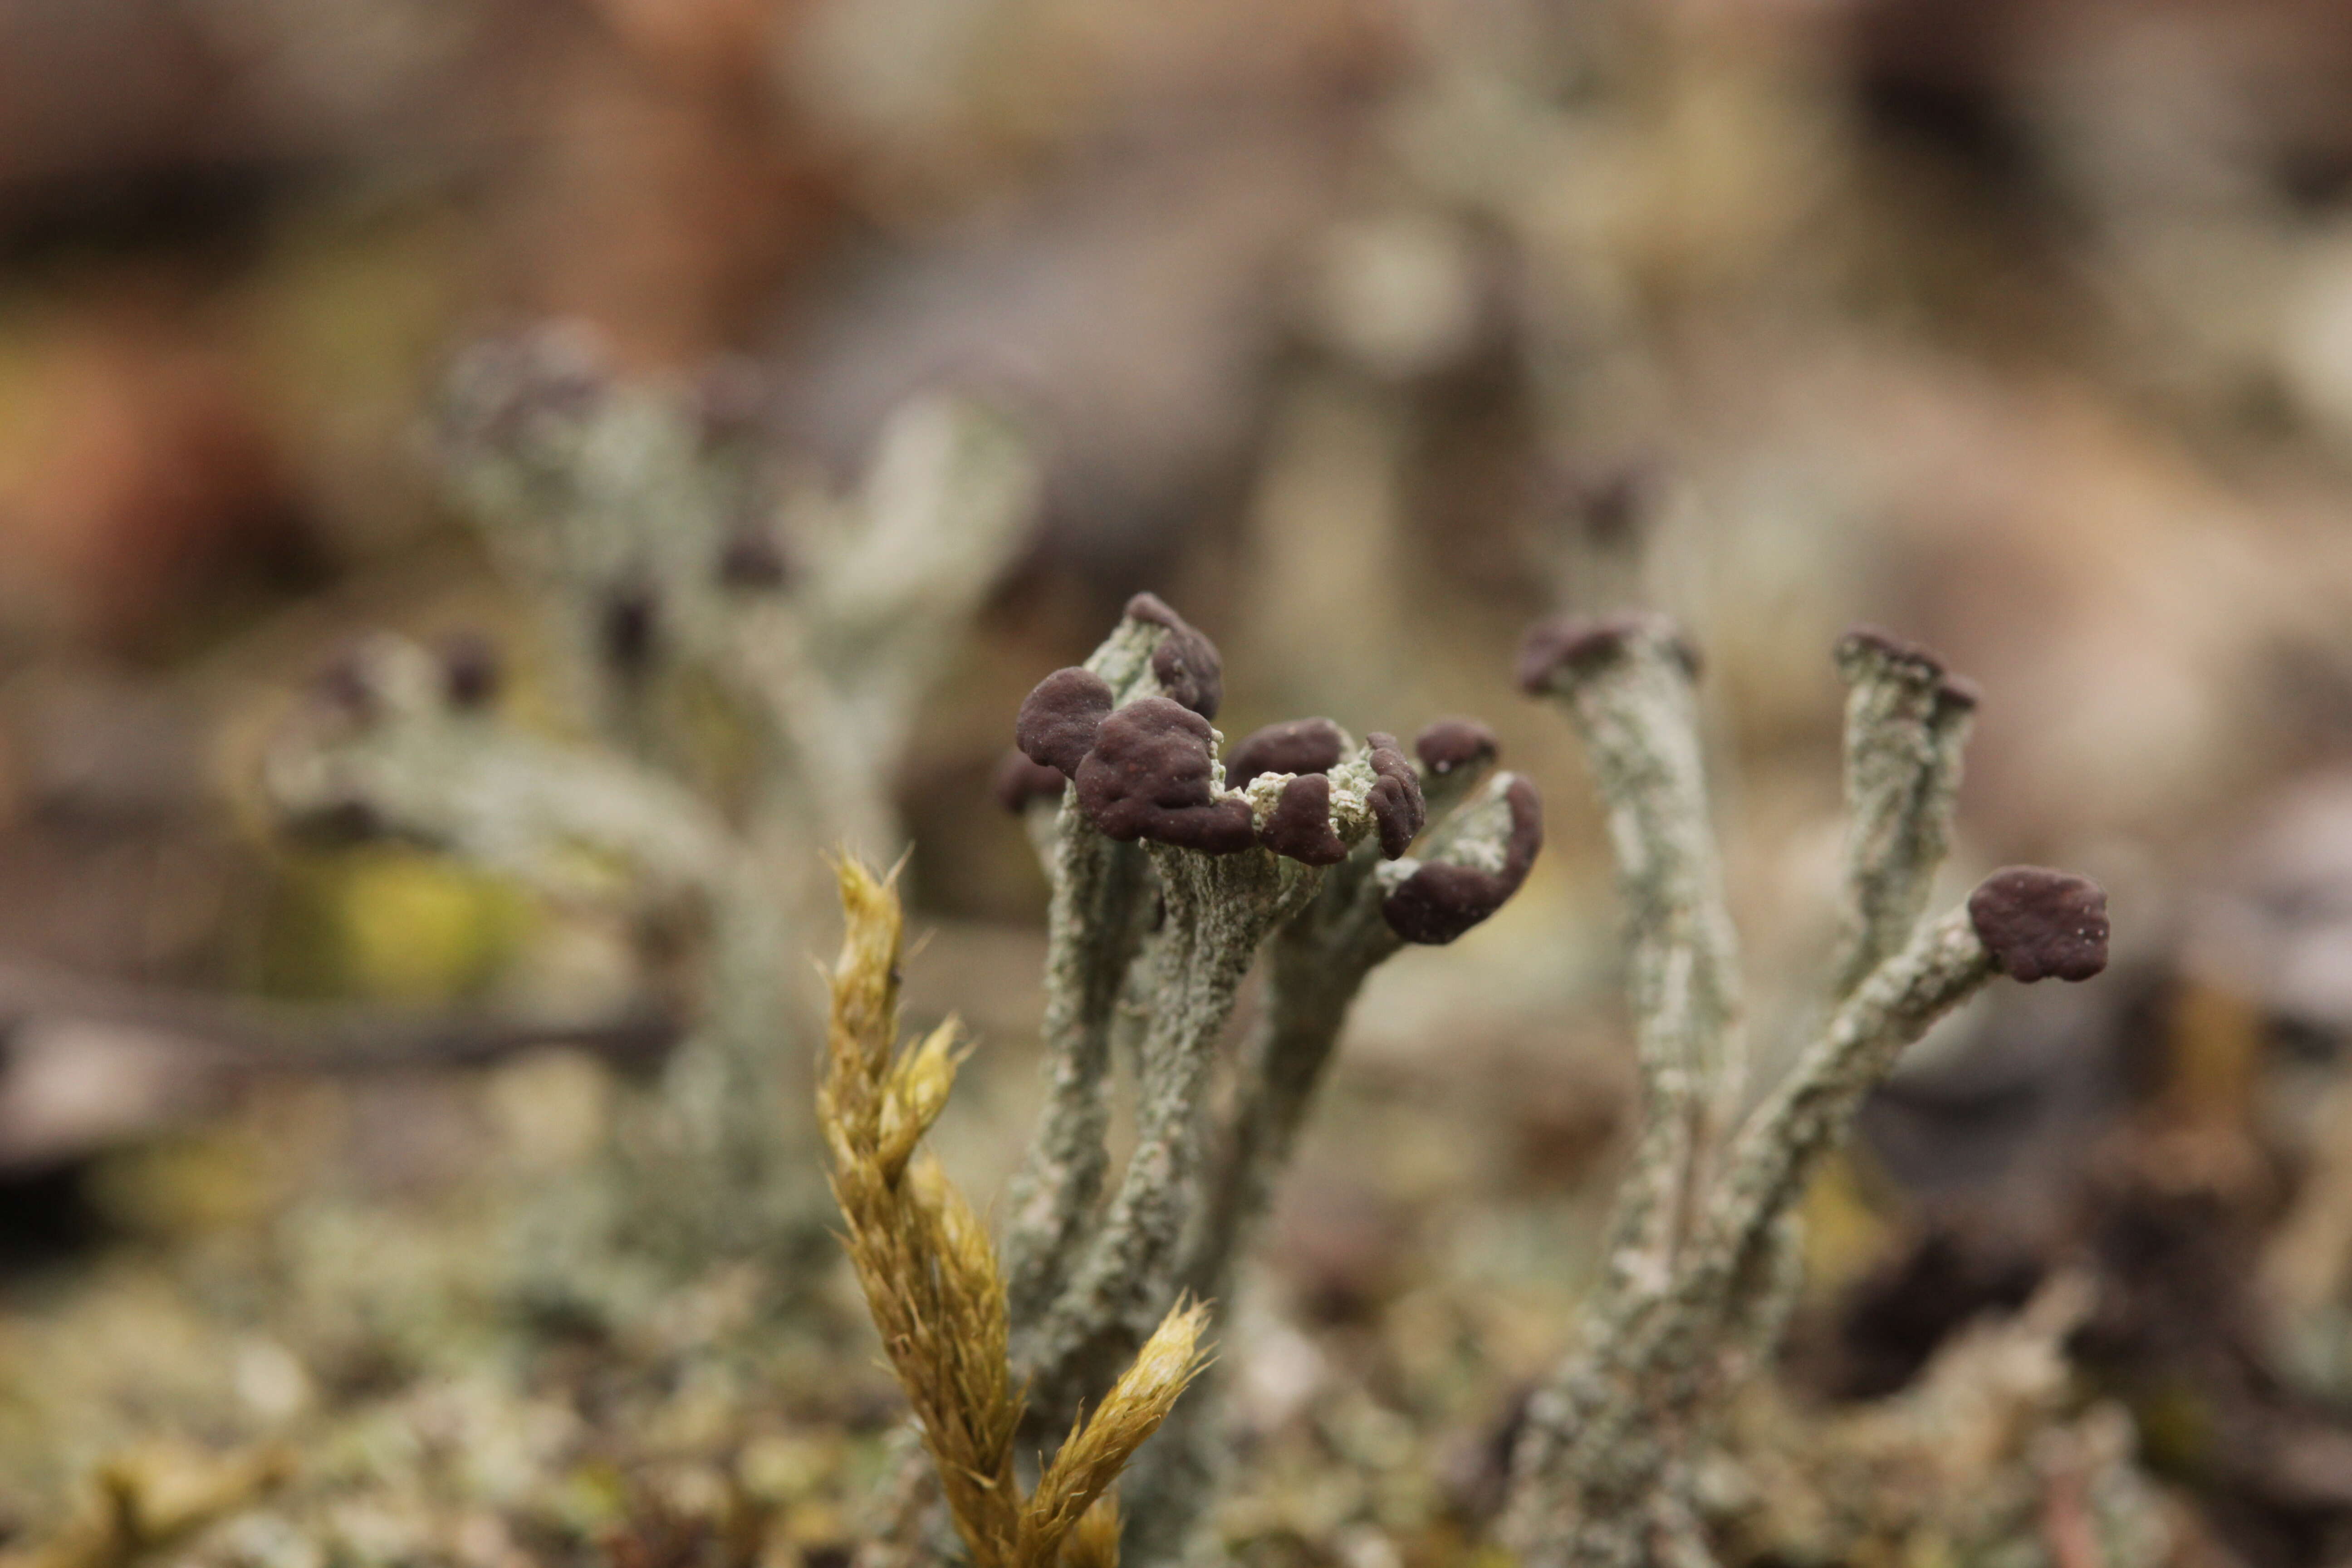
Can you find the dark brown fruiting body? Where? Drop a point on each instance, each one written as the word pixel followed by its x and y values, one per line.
pixel 1570 644
pixel 1018 781
pixel 1398 809
pixel 2038 924
pixel 1149 777
pixel 1439 901
pixel 470 676
pixel 1300 823
pixel 1293 746
pixel 1450 744
pixel 1186 663
pixel 1059 718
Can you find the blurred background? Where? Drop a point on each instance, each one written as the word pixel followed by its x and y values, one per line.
pixel 1364 331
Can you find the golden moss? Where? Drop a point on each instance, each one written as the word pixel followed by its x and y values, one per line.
pixel 930 1279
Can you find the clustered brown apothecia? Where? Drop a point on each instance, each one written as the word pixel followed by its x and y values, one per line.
pixel 1147 770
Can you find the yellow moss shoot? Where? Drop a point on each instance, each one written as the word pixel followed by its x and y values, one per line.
pixel 925 1265
pixel 929 1276
pixel 1090 1461
pixel 1095 1542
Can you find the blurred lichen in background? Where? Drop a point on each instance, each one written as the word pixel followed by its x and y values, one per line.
pixel 746 671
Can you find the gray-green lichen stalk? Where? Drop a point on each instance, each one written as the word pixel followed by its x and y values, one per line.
pixel 1175 862
pixel 1315 965
pixel 1629 685
pixel 1602 1473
